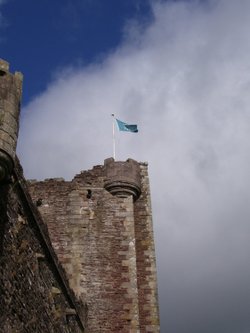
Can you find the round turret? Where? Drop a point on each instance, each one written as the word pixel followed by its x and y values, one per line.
pixel 122 179
pixel 10 97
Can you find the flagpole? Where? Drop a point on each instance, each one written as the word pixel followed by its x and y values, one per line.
pixel 113 135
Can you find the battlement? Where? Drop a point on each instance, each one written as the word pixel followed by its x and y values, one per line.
pixel 10 99
pixel 4 69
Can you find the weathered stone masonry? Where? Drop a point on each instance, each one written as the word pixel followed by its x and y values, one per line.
pixel 35 296
pixel 105 243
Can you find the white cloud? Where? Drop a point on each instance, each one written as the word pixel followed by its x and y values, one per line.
pixel 185 81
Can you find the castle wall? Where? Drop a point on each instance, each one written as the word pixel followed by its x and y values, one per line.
pixel 105 243
pixel 34 293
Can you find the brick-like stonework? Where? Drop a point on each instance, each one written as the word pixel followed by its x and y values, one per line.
pixel 105 243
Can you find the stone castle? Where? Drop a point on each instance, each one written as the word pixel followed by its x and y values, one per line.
pixel 75 256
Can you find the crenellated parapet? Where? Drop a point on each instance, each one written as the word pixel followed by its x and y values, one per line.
pixel 122 179
pixel 10 98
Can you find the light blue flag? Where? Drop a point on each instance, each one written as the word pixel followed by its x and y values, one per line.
pixel 126 127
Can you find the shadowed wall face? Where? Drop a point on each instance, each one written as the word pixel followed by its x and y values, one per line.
pixel 105 243
pixel 32 298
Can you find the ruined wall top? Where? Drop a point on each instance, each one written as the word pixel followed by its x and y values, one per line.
pixel 4 69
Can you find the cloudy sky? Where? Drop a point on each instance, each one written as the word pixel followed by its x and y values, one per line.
pixel 181 71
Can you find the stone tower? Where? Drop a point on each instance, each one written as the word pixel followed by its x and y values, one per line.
pixel 10 97
pixel 100 224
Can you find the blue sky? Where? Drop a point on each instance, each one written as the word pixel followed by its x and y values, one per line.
pixel 180 70
pixel 41 37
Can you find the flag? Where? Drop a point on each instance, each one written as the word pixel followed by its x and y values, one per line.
pixel 126 127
